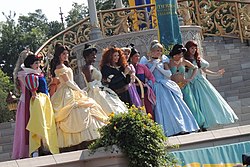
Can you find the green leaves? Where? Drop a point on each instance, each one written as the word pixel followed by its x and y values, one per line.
pixel 5 86
pixel 138 136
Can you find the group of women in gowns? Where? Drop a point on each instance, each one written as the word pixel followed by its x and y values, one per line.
pixel 78 114
pixel 204 102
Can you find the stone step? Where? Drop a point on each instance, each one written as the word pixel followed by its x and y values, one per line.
pixel 7 132
pixel 6 148
pixel 104 159
pixel 211 138
pixel 245 117
pixel 6 139
pixel 5 157
pixel 6 125
pixel 211 41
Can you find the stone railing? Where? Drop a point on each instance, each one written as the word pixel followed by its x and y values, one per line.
pixel 226 18
pixel 112 22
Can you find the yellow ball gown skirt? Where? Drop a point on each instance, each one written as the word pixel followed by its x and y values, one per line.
pixel 41 124
pixel 77 116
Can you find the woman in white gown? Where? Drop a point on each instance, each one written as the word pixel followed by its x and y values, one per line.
pixel 104 96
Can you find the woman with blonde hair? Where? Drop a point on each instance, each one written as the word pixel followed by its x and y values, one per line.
pixel 170 110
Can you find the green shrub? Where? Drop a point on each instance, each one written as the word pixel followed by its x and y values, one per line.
pixel 137 136
pixel 5 87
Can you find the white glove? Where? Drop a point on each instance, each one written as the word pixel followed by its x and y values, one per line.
pixel 166 73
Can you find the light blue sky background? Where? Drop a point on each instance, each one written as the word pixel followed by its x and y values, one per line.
pixel 49 7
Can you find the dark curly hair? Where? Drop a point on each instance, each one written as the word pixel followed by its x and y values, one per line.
pixel 107 57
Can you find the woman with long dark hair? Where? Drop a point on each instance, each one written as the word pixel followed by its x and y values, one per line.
pixel 178 66
pixel 215 109
pixel 77 116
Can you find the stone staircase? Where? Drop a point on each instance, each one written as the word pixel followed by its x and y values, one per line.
pixel 6 140
pixel 115 158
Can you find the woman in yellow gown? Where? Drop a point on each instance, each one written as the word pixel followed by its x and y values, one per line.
pixel 41 124
pixel 77 116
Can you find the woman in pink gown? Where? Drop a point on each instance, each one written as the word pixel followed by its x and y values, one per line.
pixel 21 135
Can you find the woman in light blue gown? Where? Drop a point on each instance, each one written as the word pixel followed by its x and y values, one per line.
pixel 214 108
pixel 178 65
pixel 170 111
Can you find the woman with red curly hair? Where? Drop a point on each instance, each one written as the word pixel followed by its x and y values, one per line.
pixel 212 105
pixel 115 72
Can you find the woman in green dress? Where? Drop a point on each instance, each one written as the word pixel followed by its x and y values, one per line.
pixel 178 67
pixel 213 106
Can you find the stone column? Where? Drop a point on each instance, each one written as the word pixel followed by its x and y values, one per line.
pixel 95 32
pixel 118 4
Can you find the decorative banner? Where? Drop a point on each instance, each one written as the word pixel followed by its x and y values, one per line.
pixel 218 156
pixel 135 18
pixel 169 30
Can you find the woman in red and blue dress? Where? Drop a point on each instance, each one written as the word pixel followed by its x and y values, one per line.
pixel 147 78
pixel 41 125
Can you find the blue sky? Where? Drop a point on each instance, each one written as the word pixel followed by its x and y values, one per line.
pixel 49 7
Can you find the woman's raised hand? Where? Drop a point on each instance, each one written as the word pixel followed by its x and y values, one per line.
pixel 221 71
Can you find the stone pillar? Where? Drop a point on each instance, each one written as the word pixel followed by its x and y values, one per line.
pixel 189 32
pixel 95 32
pixel 118 4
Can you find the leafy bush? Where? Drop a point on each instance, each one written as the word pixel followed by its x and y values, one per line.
pixel 5 87
pixel 137 136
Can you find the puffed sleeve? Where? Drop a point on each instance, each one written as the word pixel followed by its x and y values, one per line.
pixel 165 59
pixel 204 63
pixel 60 71
pixel 32 82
